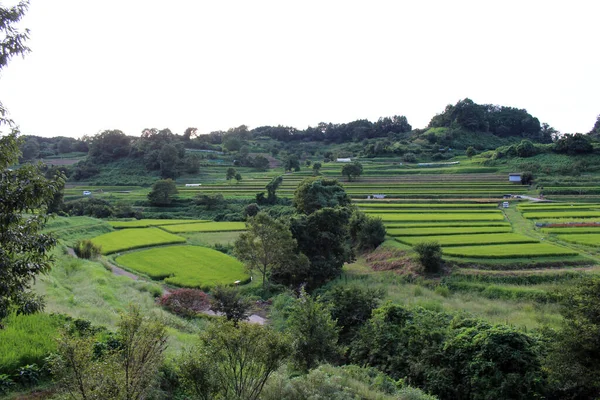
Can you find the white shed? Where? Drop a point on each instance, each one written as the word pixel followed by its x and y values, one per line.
pixel 343 160
pixel 514 178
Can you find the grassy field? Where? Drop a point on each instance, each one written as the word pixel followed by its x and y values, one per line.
pixel 188 266
pixel 129 239
pixel 561 214
pixel 446 230
pixel 209 239
pixel 509 250
pixel 206 227
pixel 146 223
pixel 447 224
pixel 582 229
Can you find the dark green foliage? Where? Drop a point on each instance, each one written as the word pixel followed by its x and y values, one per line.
pixel 251 210
pixel 525 149
pixel 470 151
pixel 316 168
pixel 26 195
pixel 499 120
pixel 109 146
pixel 409 157
pixel 313 332
pixel 87 249
pixel 92 207
pixel 352 170
pixel 268 248
pixel 313 194
pixel 227 300
pixel 230 173
pixel 232 362
pixel 596 129
pixel 168 158
pixel 454 359
pixel 573 144
pixel 351 307
pixel 162 193
pixel 291 163
pixel 324 237
pixel 367 232
pixel 210 201
pixel 430 256
pixel 527 178
pixel 192 163
pixel 575 357
pixel 272 190
pixel 6 383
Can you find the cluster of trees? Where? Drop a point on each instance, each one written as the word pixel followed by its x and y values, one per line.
pixel 312 246
pixel 499 120
pixel 34 147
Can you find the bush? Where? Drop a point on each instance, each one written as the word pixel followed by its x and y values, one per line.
pixel 6 383
pixel 87 249
pixel 185 302
pixel 228 300
pixel 526 178
pixel 410 157
pixel 430 256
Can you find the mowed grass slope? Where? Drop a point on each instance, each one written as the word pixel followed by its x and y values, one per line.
pixel 206 227
pixel 188 266
pixel 129 239
pixel 589 239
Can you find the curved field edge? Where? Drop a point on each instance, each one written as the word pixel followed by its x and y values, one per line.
pixel 186 266
pixel 130 239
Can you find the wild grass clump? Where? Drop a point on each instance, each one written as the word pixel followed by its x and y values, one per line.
pixel 87 249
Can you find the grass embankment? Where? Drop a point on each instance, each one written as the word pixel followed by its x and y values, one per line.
pixel 476 240
pixel 206 227
pixel 129 239
pixel 146 223
pixel 438 231
pixel 432 217
pixel 509 250
pixel 188 266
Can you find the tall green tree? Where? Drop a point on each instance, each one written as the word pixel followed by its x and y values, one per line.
pixel 233 362
pixel 162 192
pixel 267 245
pixel 25 196
pixel 352 170
pixel 313 332
pixel 315 193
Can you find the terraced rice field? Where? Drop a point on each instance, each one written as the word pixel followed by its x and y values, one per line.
pixel 446 230
pixel 529 250
pixel 206 227
pixel 146 223
pixel 129 239
pixel 589 239
pixel 433 217
pixel 471 240
pixel 187 266
pixel 561 214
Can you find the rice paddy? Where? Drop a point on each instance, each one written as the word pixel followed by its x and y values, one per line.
pixel 187 266
pixel 206 227
pixel 129 239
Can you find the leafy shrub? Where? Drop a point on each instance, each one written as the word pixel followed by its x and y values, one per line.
pixel 410 157
pixel 6 383
pixel 185 302
pixel 29 375
pixel 228 300
pixel 430 256
pixel 87 249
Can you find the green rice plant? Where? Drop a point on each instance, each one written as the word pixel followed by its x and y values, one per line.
pixel 27 340
pixel 509 251
pixel 206 227
pixel 561 214
pixel 589 239
pixel 582 229
pixel 425 210
pixel 129 239
pixel 426 205
pixel 446 224
pixel 146 223
pixel 187 266
pixel 446 230
pixel 498 216
pixel 465 239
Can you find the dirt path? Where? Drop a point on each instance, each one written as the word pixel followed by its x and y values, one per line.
pixel 118 271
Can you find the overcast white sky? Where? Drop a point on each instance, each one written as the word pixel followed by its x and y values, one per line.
pixel 135 64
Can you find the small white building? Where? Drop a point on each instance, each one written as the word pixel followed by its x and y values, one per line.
pixel 192 184
pixel 343 160
pixel 514 178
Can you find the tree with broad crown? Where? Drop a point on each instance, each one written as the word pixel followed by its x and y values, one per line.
pixel 162 192
pixel 315 193
pixel 266 245
pixel 352 170
pixel 230 173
